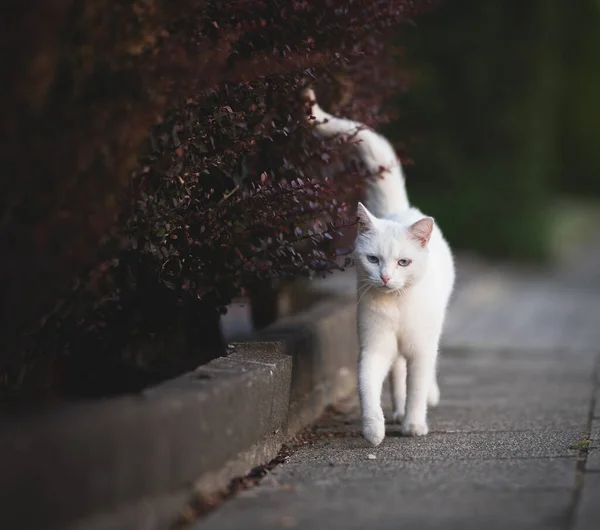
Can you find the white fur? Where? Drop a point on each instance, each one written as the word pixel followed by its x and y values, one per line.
pixel 399 321
pixel 385 192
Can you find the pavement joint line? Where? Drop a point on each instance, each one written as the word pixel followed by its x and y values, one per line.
pixel 481 348
pixel 480 431
pixel 583 453
pixel 425 459
pixel 470 459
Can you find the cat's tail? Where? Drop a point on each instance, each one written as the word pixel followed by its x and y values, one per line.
pixel 324 124
pixel 385 191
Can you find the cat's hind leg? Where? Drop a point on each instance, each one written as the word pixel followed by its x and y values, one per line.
pixel 398 388
pixel 419 382
pixel 433 397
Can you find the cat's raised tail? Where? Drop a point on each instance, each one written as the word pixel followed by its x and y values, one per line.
pixel 385 189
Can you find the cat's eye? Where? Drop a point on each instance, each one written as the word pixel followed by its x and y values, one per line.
pixel 404 262
pixel 373 259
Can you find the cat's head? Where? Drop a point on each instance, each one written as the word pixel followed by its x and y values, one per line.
pixel 391 256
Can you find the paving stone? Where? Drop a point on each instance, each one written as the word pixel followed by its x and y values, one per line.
pixel 374 494
pixel 510 462
pixel 588 511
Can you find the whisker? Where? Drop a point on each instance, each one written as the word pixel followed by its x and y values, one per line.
pixel 361 296
pixel 363 290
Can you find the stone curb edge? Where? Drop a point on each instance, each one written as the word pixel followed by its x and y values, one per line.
pixel 131 462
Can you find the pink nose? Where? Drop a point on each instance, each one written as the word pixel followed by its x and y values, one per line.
pixel 385 278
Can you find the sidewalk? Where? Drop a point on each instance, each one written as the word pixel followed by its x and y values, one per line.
pixel 508 445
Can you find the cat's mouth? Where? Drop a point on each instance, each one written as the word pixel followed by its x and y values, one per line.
pixel 392 289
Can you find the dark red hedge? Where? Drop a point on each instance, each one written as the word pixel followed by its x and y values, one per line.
pixel 158 143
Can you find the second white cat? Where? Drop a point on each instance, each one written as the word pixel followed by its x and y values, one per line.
pixel 405 275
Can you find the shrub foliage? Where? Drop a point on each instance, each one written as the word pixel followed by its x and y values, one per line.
pixel 153 150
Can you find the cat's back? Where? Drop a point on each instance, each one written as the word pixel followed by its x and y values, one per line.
pixel 406 217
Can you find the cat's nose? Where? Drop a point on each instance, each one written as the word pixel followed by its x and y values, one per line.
pixel 385 278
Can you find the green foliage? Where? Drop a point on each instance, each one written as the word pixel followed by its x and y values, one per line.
pixel 483 110
pixel 580 110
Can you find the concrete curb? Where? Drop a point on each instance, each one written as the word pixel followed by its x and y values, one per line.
pixel 81 459
pixel 132 462
pixel 324 347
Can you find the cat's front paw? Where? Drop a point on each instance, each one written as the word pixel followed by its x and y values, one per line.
pixel 398 416
pixel 414 429
pixel 374 430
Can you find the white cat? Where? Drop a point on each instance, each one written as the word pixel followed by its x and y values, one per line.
pixel 405 279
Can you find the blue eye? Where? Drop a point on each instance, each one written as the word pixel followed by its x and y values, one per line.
pixel 404 262
pixel 373 259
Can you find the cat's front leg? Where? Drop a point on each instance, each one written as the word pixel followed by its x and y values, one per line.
pixel 373 367
pixel 420 379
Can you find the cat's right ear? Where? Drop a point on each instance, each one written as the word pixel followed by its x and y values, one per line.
pixel 366 221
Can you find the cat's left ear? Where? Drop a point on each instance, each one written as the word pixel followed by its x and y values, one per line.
pixel 366 221
pixel 421 230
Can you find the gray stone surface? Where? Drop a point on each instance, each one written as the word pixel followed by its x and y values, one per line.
pixel 80 459
pixel 588 513
pixel 324 347
pixel 500 455
pixel 373 494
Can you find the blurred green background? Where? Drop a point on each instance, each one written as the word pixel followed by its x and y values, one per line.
pixel 504 110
